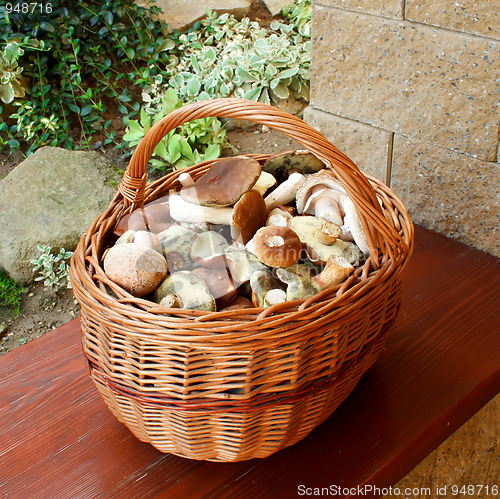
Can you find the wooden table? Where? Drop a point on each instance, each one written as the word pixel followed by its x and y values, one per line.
pixel 441 365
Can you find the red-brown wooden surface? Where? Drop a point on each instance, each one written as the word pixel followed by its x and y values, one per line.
pixel 441 364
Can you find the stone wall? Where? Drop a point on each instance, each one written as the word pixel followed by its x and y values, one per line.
pixel 409 89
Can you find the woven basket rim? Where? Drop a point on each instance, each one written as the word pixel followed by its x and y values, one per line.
pixel 331 298
pixel 86 258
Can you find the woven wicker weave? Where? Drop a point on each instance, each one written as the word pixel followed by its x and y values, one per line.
pixel 228 386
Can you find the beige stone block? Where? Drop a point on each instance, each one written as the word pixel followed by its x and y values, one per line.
pixel 367 146
pixel 422 82
pixel 385 8
pixel 470 16
pixel 182 14
pixel 451 193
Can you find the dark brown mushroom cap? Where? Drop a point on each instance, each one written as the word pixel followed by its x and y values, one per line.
pixel 224 183
pixel 249 215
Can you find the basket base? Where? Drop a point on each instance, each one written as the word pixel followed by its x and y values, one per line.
pixel 232 434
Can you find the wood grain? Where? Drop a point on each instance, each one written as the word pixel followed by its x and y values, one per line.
pixel 440 366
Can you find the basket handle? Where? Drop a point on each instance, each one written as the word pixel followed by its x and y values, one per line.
pixel 379 233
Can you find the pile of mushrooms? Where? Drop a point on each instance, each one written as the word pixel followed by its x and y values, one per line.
pixel 242 235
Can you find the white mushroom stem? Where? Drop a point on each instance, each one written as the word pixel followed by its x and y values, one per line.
pixel 183 211
pixel 336 271
pixel 264 183
pixel 326 204
pixel 274 296
pixel 185 179
pixel 285 192
pixel 356 229
pixel 278 216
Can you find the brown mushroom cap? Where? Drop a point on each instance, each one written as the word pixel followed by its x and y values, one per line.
pixel 224 183
pixel 277 246
pixel 219 284
pixel 154 217
pixel 249 214
pixel 137 269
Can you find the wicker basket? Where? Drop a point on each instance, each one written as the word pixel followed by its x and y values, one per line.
pixel 229 386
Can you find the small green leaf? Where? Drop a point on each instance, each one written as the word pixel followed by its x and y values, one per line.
pixel 167 44
pixel 288 73
pixel 108 17
pixel 74 108
pixel 253 94
pixel 86 110
pixel 46 26
pixel 7 93
pixel 212 152
pixel 161 150
pixel 174 150
pixel 193 86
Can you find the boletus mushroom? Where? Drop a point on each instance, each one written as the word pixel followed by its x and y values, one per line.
pixel 190 290
pixel 135 268
pixel 283 164
pixel 277 246
pixel 308 229
pixel 247 215
pixel 224 183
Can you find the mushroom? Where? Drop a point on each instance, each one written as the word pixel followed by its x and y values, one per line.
pixel 274 296
pixel 284 192
pixel 353 222
pixel 248 214
pixel 277 246
pixel 147 240
pixel 262 282
pixel 337 270
pixel 224 183
pixel 264 183
pixel 135 268
pixel 154 217
pixel 190 289
pixel 239 303
pixel 280 216
pixel 126 237
pixel 306 227
pixel 207 249
pixel 170 301
pixel 298 279
pixel 220 285
pixel 328 233
pixel 242 264
pixel 185 179
pixel 176 243
pixel 288 162
pixel 141 238
pixel 323 196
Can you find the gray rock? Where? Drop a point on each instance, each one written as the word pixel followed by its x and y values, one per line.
pixel 276 6
pixel 182 14
pixel 50 199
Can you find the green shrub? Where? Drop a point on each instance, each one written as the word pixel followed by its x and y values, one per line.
pixel 193 142
pixel 223 56
pixel 10 293
pixel 95 54
pixel 53 269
